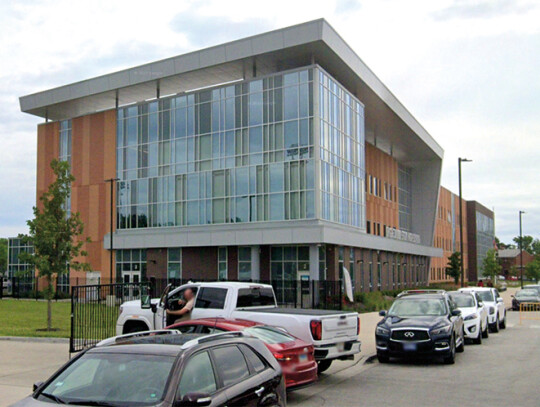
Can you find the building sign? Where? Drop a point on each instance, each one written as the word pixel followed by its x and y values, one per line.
pixel 394 233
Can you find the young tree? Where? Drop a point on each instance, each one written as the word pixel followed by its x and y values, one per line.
pixel 453 268
pixel 490 265
pixel 54 233
pixel 532 270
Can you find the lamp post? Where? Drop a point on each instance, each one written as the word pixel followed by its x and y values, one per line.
pixel 111 181
pixel 521 248
pixel 462 271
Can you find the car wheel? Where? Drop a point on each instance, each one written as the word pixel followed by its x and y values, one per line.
pixel 451 358
pixel 502 324
pixel 383 358
pixel 485 332
pixel 461 347
pixel 323 365
pixel 478 339
pixel 495 327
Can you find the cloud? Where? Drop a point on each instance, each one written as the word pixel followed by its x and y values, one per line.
pixel 202 31
pixel 467 70
pixel 482 9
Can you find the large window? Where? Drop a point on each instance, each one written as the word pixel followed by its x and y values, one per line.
pixel 65 152
pixel 222 263
pixel 16 266
pixel 244 263
pixel 233 154
pixel 405 198
pixel 131 262
pixel 174 263
pixel 342 153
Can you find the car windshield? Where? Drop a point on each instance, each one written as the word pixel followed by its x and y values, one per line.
pixel 526 293
pixel 411 307
pixel 115 379
pixel 269 335
pixel 486 296
pixel 463 300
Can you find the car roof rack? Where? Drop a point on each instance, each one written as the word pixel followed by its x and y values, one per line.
pixel 428 291
pixel 212 337
pixel 120 338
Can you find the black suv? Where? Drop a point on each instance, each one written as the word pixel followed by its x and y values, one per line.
pixel 167 368
pixel 420 323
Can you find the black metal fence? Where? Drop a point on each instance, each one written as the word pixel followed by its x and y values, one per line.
pixel 28 287
pixel 95 308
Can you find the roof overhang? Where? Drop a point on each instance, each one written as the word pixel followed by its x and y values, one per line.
pixel 389 125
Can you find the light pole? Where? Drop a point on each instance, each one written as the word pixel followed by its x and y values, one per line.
pixel 460 160
pixel 112 181
pixel 521 248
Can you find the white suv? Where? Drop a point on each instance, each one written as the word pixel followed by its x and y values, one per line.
pixel 494 303
pixel 475 315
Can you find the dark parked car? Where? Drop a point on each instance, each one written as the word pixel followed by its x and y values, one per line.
pixel 422 323
pixel 527 295
pixel 169 369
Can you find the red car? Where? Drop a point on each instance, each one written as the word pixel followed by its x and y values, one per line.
pixel 294 355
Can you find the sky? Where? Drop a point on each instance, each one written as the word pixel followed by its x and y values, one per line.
pixel 468 70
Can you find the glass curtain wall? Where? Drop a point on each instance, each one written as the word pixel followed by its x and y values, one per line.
pixel 485 235
pixel 342 154
pixel 232 154
pixel 243 153
pixel 65 155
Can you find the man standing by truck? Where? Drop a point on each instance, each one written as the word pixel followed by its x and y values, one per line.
pixel 186 305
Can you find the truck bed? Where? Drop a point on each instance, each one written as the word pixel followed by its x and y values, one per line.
pixel 296 311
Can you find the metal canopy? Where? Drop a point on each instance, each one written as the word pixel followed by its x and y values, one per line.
pixel 389 125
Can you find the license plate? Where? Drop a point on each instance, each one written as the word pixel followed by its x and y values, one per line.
pixel 409 346
pixel 303 358
pixel 341 347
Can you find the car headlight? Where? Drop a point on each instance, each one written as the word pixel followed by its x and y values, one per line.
pixel 470 317
pixel 382 331
pixel 491 310
pixel 442 330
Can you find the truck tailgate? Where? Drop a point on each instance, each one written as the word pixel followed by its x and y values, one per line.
pixel 339 326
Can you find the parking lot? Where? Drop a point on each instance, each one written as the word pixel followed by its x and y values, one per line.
pixel 496 373
pixel 499 372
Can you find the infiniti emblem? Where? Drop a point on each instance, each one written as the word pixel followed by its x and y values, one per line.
pixel 409 334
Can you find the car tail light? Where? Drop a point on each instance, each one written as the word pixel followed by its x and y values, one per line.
pixel 358 326
pixel 281 357
pixel 316 330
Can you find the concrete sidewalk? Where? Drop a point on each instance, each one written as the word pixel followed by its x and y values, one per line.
pixel 24 362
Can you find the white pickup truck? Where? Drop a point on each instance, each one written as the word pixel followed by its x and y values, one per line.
pixel 334 334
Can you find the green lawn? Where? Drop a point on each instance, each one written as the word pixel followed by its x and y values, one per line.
pixel 23 318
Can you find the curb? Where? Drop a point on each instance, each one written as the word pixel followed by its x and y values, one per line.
pixel 34 339
pixel 370 359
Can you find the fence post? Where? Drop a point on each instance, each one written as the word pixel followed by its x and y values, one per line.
pixel 72 328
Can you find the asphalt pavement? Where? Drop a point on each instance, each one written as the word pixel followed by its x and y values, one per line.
pixel 500 372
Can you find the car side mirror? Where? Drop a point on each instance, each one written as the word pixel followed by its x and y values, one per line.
pixel 194 399
pixel 500 299
pixel 480 304
pixel 146 302
pixel 382 313
pixel 37 385
pixel 456 313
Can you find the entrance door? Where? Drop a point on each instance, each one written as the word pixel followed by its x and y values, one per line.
pixel 304 289
pixel 131 279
